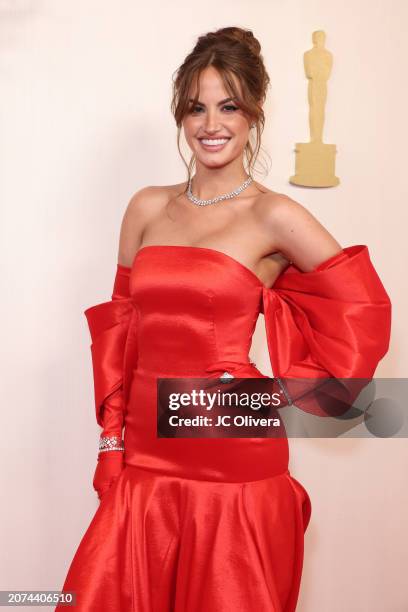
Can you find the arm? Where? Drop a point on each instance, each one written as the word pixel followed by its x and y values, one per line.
pixel 109 325
pixel 328 315
pixel 298 235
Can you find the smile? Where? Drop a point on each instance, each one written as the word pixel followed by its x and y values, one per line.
pixel 213 144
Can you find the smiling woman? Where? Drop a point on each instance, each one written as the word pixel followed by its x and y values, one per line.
pixel 210 523
pixel 232 59
pixel 215 143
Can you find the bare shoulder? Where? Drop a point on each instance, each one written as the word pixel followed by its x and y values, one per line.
pixel 277 207
pixel 143 206
pixel 145 201
pixel 276 211
pixel 295 231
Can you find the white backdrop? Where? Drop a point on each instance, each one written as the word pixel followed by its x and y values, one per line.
pixel 85 121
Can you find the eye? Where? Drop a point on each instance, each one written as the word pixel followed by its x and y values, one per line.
pixel 197 108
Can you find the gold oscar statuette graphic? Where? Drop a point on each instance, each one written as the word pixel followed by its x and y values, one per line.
pixel 315 160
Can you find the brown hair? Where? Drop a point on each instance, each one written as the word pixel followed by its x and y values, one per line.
pixel 231 50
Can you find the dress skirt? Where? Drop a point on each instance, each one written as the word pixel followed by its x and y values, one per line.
pixel 184 528
pixel 165 543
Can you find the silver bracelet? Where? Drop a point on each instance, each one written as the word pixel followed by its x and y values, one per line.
pixel 285 391
pixel 110 443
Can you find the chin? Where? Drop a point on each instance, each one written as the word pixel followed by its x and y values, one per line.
pixel 215 163
pixel 214 159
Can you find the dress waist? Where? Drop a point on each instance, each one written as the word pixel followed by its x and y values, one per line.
pixel 244 368
pixel 199 458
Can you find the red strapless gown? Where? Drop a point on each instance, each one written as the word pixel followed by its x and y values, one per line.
pixel 200 524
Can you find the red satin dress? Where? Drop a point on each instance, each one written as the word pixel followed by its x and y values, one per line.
pixel 213 524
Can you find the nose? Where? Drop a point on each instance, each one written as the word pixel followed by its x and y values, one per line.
pixel 211 123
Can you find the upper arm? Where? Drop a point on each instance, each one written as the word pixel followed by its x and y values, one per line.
pixel 299 236
pixel 135 218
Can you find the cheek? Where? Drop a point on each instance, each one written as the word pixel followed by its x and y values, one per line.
pixel 191 125
pixel 239 141
pixel 239 128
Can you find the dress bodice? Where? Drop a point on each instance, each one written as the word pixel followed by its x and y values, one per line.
pixel 191 311
pixel 196 307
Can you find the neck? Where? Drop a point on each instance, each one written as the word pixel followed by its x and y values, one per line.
pixel 209 182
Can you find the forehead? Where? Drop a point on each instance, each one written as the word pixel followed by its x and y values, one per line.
pixel 211 85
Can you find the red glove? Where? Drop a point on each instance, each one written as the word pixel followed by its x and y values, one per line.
pixel 110 462
pixel 109 323
pixel 109 466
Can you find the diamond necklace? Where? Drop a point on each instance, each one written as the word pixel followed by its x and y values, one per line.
pixel 226 196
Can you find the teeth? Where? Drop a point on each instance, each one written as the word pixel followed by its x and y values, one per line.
pixel 213 141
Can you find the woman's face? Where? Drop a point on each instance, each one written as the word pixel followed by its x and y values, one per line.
pixel 215 116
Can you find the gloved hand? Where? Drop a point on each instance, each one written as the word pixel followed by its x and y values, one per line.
pixel 109 466
pixel 110 462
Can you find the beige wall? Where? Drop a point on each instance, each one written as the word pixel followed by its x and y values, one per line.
pixel 85 122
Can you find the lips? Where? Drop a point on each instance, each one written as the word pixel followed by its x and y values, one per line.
pixel 213 147
pixel 218 138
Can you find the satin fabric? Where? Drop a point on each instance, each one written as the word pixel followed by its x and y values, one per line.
pixel 212 524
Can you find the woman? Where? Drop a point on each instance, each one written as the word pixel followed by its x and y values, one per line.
pixel 199 524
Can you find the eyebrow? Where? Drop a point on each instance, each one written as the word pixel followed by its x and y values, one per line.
pixel 221 102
